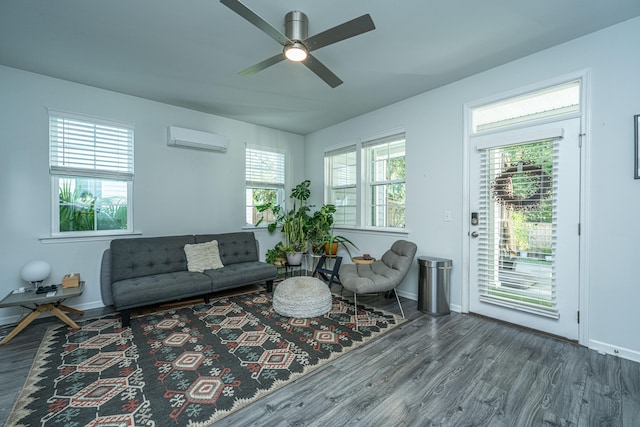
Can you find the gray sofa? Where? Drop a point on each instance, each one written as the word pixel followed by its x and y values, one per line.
pixel 142 271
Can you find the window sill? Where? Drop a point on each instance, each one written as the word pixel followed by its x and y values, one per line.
pixel 91 238
pixel 376 230
pixel 255 228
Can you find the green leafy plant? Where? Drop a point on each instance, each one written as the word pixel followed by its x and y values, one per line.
pixel 292 222
pixel 300 227
pixel 319 226
pixel 331 239
pixel 77 209
pixel 80 210
pixel 276 255
pixel 320 232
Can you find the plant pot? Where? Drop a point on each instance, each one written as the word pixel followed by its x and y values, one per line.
pixel 334 249
pixel 294 258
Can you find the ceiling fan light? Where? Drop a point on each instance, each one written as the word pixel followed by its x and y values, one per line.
pixel 295 52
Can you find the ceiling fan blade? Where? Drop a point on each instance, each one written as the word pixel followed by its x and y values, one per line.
pixel 256 20
pixel 321 71
pixel 340 32
pixel 262 65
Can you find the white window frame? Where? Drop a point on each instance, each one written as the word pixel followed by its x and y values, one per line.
pixel 369 183
pixel 363 182
pixel 279 184
pixel 519 110
pixel 584 76
pixel 110 160
pixel 330 181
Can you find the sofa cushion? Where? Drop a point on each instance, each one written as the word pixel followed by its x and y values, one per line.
pixel 157 288
pixel 203 256
pixel 234 247
pixel 148 256
pixel 244 273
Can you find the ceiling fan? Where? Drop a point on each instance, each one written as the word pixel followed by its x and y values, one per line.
pixel 297 45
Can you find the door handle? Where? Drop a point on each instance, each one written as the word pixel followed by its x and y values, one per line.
pixel 474 234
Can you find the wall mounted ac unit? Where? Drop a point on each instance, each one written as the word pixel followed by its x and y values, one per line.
pixel 189 138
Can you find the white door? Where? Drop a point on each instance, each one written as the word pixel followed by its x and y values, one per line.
pixel 524 233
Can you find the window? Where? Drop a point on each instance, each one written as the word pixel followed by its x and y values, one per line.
pixel 265 179
pixel 341 172
pixel 385 160
pixel 550 102
pixel 370 191
pixel 91 166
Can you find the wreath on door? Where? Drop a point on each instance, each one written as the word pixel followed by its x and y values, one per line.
pixel 537 181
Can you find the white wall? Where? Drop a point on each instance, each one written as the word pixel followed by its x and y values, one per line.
pixel 176 190
pixel 435 146
pixel 181 191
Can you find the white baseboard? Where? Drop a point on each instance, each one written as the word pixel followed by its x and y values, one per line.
pixel 408 295
pixel 453 307
pixel 604 348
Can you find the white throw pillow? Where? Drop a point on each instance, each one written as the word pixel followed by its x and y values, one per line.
pixel 203 256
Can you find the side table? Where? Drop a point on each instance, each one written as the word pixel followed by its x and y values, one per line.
pixel 362 260
pixel 41 303
pixel 329 275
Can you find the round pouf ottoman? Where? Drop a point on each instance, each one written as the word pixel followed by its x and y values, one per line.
pixel 302 297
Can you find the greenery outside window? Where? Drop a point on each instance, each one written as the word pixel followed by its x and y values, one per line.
pixel 341 170
pixel 385 187
pixel 91 168
pixel 265 182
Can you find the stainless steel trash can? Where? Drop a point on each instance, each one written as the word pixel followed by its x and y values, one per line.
pixel 433 289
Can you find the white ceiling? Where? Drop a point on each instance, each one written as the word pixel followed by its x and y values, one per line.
pixel 189 52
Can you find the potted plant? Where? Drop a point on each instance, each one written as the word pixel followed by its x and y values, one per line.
pixel 292 222
pixel 319 226
pixel 332 241
pixel 276 256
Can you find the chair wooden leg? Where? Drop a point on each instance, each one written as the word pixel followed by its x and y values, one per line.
pixel 399 305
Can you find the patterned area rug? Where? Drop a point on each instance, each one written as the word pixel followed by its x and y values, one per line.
pixel 185 366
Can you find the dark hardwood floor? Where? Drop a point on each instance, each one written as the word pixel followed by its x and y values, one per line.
pixel 452 370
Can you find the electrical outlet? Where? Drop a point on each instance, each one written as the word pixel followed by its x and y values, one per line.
pixel 447 216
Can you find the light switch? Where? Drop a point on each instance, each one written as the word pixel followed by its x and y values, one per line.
pixel 447 216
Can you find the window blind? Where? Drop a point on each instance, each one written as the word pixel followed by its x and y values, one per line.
pixel 398 137
pixel 87 147
pixel 341 167
pixel 265 168
pixel 341 181
pixel 515 269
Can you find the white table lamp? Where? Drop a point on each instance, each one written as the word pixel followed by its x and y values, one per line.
pixel 35 272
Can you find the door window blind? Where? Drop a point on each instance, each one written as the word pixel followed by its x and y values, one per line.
pixel 517 239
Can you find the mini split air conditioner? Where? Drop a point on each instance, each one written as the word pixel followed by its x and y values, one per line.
pixel 189 138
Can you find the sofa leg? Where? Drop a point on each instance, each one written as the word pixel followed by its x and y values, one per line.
pixel 269 285
pixel 125 318
pixel 206 299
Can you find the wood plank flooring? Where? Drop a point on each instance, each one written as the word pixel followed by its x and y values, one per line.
pixel 431 371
